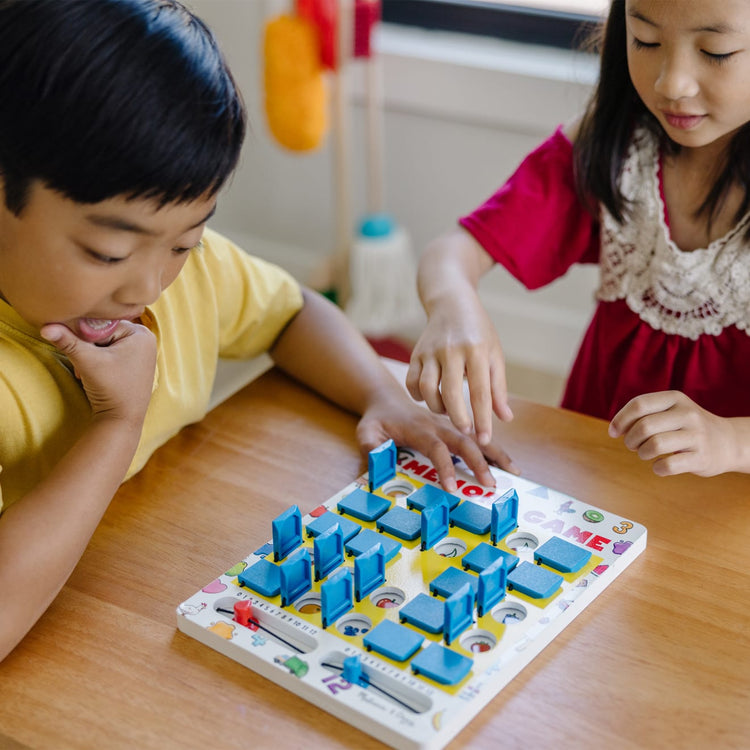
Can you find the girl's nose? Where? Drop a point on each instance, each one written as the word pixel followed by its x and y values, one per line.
pixel 676 80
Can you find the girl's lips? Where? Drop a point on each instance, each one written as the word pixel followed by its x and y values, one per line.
pixel 95 330
pixel 683 122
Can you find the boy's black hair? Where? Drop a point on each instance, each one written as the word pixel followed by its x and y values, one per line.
pixel 608 122
pixel 100 98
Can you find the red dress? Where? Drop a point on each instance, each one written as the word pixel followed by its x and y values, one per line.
pixel 640 339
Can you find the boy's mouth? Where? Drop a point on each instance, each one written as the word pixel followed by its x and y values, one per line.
pixel 96 330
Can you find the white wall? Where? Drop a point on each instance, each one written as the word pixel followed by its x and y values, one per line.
pixel 461 112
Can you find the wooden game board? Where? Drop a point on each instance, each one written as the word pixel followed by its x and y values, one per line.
pixel 409 611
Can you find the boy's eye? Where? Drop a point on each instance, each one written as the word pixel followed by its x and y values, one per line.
pixel 181 250
pixel 102 258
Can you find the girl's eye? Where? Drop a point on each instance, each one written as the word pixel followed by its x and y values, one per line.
pixel 717 58
pixel 638 44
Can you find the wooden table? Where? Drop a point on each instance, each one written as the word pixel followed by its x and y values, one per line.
pixel 661 659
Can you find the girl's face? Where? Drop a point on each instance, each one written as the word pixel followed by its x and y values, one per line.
pixel 90 265
pixel 689 61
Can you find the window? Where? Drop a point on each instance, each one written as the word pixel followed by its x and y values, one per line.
pixel 560 23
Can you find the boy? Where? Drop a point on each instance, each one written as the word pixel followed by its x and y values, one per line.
pixel 119 124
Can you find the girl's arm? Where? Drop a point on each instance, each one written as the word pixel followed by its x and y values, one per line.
pixel 44 533
pixel 459 338
pixel 323 350
pixel 680 437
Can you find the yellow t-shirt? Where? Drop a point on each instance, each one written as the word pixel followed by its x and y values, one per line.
pixel 224 303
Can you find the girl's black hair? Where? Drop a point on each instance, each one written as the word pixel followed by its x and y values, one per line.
pixel 100 98
pixel 608 123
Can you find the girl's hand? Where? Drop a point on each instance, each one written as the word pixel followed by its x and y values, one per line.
pixel 680 435
pixel 394 415
pixel 459 340
pixel 117 378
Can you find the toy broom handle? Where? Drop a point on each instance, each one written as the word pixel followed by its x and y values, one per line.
pixel 344 42
pixel 374 110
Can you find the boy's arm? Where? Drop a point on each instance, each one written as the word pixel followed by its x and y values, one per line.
pixel 322 349
pixel 459 338
pixel 670 429
pixel 44 533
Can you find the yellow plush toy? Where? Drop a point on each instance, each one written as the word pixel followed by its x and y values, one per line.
pixel 295 87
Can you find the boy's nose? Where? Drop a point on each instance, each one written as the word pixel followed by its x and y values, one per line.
pixel 675 80
pixel 142 288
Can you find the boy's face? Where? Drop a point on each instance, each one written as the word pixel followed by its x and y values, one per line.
pixel 90 265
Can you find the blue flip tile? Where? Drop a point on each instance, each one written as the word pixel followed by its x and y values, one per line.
pixel 428 495
pixel 381 464
pixel 363 505
pixel 369 571
pixel 483 555
pixel 451 580
pixel 368 538
pixel 327 520
pixel 400 522
pixel 491 588
pixel 425 612
pixel 562 555
pixel 441 664
pixel 336 596
pixel 263 577
pixel 504 516
pixel 287 533
pixel 393 640
pixel 536 582
pixel 459 613
pixel 472 517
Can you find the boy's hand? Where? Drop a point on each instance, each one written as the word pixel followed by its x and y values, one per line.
pixel 459 339
pixel 117 378
pixel 682 437
pixel 396 416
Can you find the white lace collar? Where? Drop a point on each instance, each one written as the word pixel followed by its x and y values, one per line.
pixel 683 293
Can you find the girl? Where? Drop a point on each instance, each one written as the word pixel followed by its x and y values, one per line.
pixel 652 183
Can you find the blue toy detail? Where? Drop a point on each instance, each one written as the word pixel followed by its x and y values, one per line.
pixel 562 555
pixel 427 495
pixel 536 582
pixel 504 516
pixel 368 538
pixel 295 576
pixel 381 464
pixel 287 532
pixel 395 641
pixel 484 555
pixel 424 612
pixel 435 523
pixel 363 505
pixel 472 517
pixel 328 551
pixel 336 596
pixel 324 522
pixel 369 571
pixel 459 613
pixel 400 522
pixel 262 577
pixel 451 580
pixel 491 586
pixel 441 664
